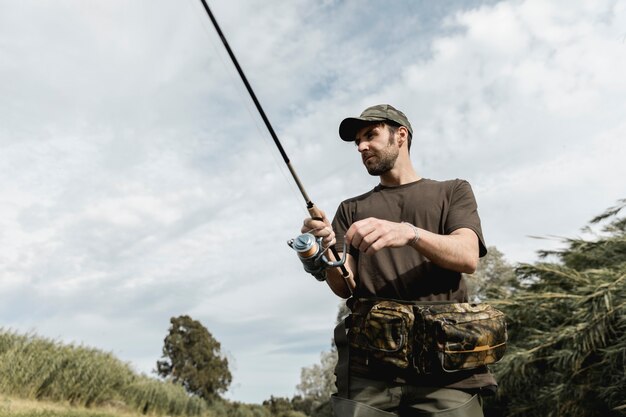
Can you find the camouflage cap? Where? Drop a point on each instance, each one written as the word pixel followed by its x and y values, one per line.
pixel 379 113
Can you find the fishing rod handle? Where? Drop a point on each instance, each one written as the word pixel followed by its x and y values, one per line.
pixel 316 214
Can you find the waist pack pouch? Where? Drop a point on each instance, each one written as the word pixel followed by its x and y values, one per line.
pixel 457 336
pixel 384 332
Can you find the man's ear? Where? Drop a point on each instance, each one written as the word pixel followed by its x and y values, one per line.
pixel 403 136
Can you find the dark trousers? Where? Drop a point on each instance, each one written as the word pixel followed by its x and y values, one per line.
pixel 413 401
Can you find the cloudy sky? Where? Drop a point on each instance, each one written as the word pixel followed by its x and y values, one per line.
pixel 137 181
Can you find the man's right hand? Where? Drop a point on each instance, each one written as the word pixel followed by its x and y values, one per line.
pixel 343 286
pixel 320 228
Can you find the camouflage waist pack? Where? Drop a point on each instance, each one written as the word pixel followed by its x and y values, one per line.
pixel 384 331
pixel 458 336
pixel 427 337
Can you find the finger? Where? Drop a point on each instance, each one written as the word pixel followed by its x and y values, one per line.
pixel 329 241
pixel 324 231
pixel 375 247
pixel 324 220
pixel 359 233
pixel 311 224
pixel 353 238
pixel 368 240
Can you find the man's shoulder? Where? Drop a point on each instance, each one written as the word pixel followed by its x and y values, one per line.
pixel 445 187
pixel 452 183
pixel 360 197
pixel 448 187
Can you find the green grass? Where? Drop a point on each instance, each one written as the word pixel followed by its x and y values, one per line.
pixel 41 377
pixel 11 406
pixel 36 368
pixel 50 413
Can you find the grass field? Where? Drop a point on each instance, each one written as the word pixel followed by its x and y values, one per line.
pixel 18 407
pixel 36 368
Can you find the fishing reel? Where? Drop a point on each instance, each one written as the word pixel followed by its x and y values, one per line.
pixel 310 250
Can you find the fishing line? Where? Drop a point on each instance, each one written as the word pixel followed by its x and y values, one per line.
pixel 246 103
pixel 268 125
pixel 315 213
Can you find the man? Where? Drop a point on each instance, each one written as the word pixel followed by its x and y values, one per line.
pixel 410 238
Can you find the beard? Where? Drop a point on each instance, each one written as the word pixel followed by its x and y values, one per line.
pixel 382 161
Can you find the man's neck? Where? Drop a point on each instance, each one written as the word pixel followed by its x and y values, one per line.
pixel 399 175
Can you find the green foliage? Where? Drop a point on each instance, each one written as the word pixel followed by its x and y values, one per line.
pixel 567 331
pixel 494 278
pixel 151 396
pixel 236 409
pixel 56 413
pixel 38 368
pixel 193 359
pixel 317 382
pixel 34 367
pixel 282 407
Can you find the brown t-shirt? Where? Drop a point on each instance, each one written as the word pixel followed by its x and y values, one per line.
pixel 403 273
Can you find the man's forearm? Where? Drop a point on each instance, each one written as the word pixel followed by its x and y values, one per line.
pixel 340 285
pixel 457 251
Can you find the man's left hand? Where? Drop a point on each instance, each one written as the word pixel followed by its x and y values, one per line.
pixel 371 235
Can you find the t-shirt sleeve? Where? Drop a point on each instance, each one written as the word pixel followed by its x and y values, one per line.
pixel 463 212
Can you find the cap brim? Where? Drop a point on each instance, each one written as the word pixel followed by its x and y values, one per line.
pixel 350 126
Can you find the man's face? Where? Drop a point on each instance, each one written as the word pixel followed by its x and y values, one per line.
pixel 378 148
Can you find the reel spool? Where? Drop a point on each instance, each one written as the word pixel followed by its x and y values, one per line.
pixel 310 250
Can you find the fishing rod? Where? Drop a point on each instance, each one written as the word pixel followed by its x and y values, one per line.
pixel 310 250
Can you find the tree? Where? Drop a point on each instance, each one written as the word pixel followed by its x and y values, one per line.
pixel 193 359
pixel 494 278
pixel 317 382
pixel 567 330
